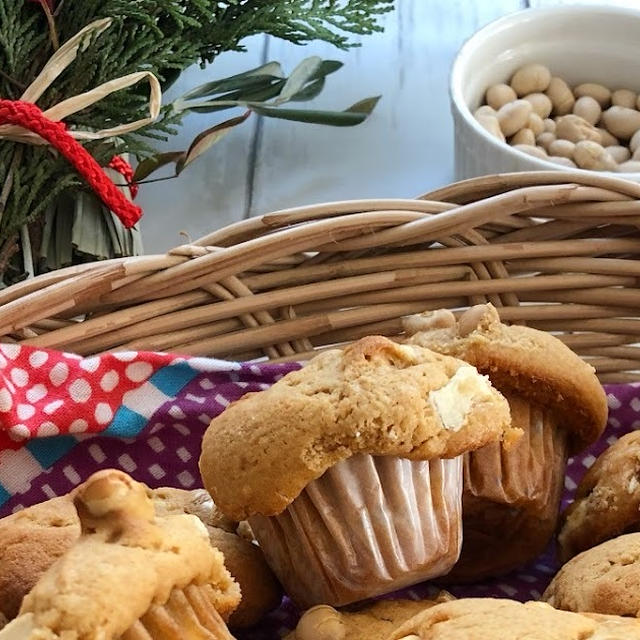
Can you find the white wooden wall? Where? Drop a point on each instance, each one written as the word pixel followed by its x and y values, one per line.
pixel 405 148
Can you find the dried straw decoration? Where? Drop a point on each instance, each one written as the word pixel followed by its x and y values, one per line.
pixel 553 250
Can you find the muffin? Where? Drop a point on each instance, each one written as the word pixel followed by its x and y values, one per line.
pixel 349 469
pixel 511 497
pixel 603 579
pixel 607 500
pixel 131 574
pixel 33 539
pixel 502 619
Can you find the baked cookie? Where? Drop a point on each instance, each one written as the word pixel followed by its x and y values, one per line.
pixel 130 575
pixel 349 468
pixel 375 621
pixel 501 619
pixel 261 592
pixel 511 497
pixel 33 539
pixel 603 579
pixel 607 500
pixel 30 542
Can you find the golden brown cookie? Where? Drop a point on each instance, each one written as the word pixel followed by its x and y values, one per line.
pixel 261 592
pixel 33 539
pixel 521 360
pixel 129 574
pixel 501 619
pixel 374 397
pixel 373 621
pixel 30 542
pixel 603 579
pixel 607 500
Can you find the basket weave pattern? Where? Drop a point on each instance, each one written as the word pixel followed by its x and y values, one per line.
pixel 553 250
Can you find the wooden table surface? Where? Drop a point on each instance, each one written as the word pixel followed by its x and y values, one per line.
pixel 403 149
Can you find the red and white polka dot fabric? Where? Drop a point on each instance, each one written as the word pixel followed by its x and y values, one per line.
pixel 46 393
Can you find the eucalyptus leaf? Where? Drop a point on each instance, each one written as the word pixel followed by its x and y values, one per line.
pixel 149 165
pixel 240 90
pixel 365 106
pixel 263 95
pixel 263 74
pixel 299 78
pixel 205 140
pixel 326 67
pixel 354 115
pixel 225 101
pixel 241 99
pixel 210 106
pixel 311 91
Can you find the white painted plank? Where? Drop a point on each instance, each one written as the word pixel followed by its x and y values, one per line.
pixel 630 4
pixel 407 145
pixel 212 192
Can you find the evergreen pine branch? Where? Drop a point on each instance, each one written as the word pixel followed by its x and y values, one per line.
pixel 162 36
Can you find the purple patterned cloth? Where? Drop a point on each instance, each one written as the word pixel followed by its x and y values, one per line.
pixel 166 453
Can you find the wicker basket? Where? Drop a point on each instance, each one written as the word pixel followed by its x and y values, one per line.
pixel 554 250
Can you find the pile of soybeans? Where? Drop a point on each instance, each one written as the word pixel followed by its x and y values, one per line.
pixel 589 126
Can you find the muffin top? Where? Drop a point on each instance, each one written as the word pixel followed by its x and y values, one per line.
pixel 375 397
pixel 604 579
pixel 125 560
pixel 501 619
pixel 607 501
pixel 519 359
pixel 374 621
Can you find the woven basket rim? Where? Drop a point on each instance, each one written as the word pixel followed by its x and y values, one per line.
pixel 555 250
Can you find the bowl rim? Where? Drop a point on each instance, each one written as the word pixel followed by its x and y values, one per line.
pixel 458 102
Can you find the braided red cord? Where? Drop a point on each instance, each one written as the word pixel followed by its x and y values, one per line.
pixel 29 116
pixel 119 164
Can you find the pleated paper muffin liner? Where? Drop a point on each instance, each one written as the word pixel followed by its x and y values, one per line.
pixel 368 526
pixel 189 614
pixel 511 498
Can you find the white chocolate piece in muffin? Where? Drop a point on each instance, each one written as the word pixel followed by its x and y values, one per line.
pixel 454 401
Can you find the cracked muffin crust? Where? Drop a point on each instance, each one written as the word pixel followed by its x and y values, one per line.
pixel 604 579
pixel 607 500
pixel 520 360
pixel 374 397
pixel 502 619
pixel 130 573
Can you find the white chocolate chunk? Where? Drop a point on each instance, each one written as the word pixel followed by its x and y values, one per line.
pixel 454 401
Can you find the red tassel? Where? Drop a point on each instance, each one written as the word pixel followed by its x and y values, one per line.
pixel 29 116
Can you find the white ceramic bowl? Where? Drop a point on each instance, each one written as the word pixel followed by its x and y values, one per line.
pixel 577 43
